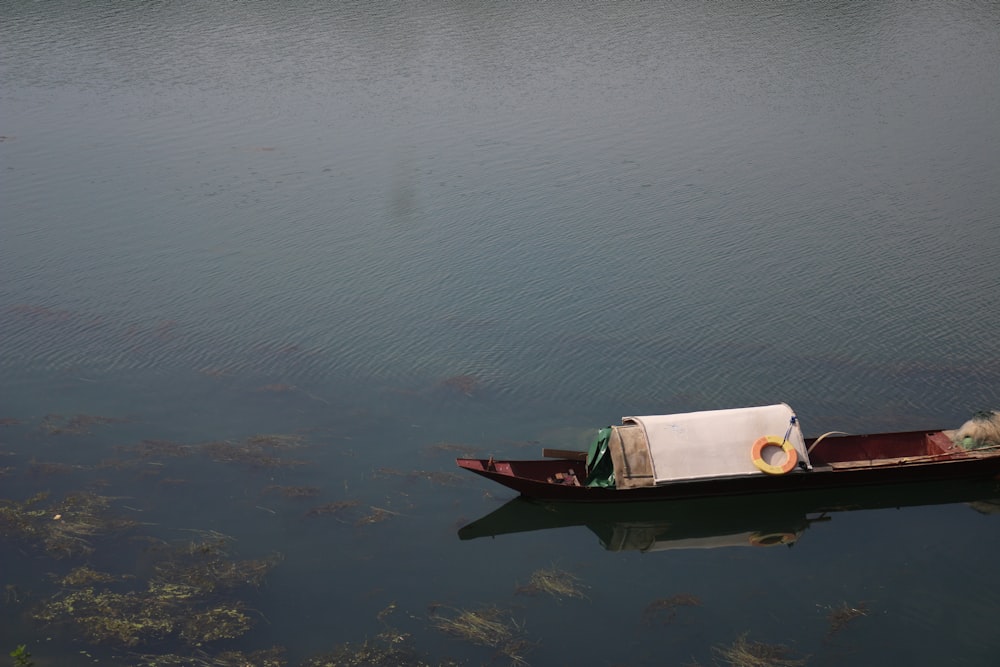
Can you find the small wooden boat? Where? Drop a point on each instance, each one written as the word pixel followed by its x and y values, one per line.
pixel 742 451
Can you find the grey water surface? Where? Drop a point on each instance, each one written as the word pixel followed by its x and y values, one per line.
pixel 397 233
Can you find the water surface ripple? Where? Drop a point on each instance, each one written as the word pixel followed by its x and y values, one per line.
pixel 394 226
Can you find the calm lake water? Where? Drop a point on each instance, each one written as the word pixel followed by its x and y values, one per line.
pixel 267 267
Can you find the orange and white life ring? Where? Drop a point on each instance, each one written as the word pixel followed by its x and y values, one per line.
pixel 791 456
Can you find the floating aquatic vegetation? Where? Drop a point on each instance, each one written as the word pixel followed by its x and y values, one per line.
pixel 9 421
pixel 63 528
pixel 387 650
pixel 160 448
pixel 293 491
pixel 391 472
pixel 139 617
pixel 149 473
pixel 180 601
pixel 44 469
pixel 215 573
pixel 214 624
pixel 466 384
pixel 123 464
pixel 256 451
pixel 334 509
pixel 746 653
pixel 275 441
pixel 75 425
pixel 553 581
pixel 487 626
pixel 377 515
pixel 657 609
pixel 272 657
pixel 840 616
pixel 83 575
pixel 21 656
pixel 128 618
pixel 201 567
pixel 389 609
pixel 6 470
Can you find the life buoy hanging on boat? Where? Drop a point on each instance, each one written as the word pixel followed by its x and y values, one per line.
pixel 756 454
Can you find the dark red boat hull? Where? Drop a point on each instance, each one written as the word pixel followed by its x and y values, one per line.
pixel 530 478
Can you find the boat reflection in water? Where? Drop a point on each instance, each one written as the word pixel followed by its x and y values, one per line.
pixel 754 521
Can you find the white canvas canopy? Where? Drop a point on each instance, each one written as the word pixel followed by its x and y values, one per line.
pixel 713 443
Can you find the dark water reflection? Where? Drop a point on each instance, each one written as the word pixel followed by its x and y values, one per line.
pixel 393 235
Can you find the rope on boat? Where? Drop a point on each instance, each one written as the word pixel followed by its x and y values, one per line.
pixel 817 440
pixel 788 432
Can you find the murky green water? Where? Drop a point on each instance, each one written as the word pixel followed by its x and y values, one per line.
pixel 266 268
